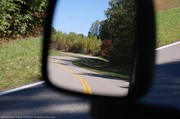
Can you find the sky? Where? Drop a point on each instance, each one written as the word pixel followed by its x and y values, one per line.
pixel 78 15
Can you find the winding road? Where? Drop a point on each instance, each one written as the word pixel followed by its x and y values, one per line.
pixel 64 74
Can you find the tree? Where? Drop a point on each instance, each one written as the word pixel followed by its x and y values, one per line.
pixel 53 30
pixel 104 30
pixel 94 29
pixel 121 18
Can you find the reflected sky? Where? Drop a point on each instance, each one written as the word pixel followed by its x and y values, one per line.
pixel 78 15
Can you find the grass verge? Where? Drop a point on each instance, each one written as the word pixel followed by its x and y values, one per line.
pixel 20 63
pixel 58 53
pixel 102 66
pixel 55 53
pixel 168 26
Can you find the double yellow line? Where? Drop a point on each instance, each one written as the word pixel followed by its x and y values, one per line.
pixel 86 86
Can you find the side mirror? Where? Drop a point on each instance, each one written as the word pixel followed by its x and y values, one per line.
pixel 100 49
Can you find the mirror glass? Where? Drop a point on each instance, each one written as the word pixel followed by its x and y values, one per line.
pixel 92 46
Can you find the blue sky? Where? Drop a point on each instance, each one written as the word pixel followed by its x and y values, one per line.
pixel 78 15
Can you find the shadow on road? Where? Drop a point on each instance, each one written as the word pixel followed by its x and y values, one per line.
pixel 166 85
pixel 43 101
pixel 102 66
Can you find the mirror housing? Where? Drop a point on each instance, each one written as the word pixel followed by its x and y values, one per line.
pixel 144 52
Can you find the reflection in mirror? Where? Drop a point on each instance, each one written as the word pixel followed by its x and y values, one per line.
pixel 92 46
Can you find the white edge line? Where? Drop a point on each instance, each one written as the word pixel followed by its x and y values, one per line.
pixel 166 46
pixel 20 88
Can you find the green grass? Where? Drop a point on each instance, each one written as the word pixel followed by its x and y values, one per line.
pixel 58 53
pixel 20 63
pixel 103 67
pixel 168 26
pixel 61 53
pixel 55 53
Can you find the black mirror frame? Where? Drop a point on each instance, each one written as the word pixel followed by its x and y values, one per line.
pixel 145 52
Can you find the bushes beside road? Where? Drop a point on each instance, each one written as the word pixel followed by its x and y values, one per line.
pixel 77 43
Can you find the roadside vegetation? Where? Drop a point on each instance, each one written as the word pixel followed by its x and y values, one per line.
pixel 20 41
pixel 167 17
pixel 20 62
pixel 168 26
pixel 77 43
pixel 21 18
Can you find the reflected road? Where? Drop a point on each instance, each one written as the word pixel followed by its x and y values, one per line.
pixel 64 74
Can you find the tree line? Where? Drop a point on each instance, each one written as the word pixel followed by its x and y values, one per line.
pixel 22 18
pixel 77 43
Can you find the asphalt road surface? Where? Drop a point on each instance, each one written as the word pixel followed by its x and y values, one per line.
pixel 41 102
pixel 166 86
pixel 64 74
pixel 44 102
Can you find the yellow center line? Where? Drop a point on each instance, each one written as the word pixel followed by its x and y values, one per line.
pixel 86 87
